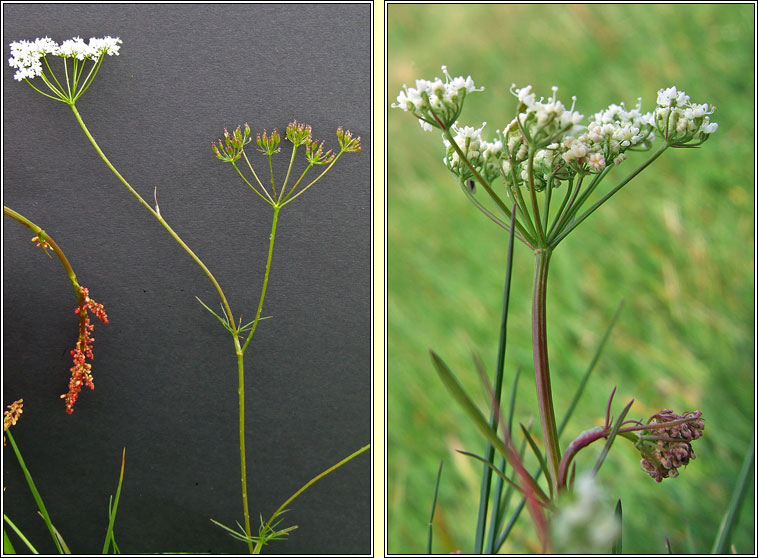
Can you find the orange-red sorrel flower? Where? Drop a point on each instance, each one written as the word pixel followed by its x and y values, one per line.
pixel 81 372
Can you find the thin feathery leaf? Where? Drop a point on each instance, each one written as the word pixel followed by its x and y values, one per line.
pixel 248 325
pixel 611 438
pixel 224 322
pixel 240 537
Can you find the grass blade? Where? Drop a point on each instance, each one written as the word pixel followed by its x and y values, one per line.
pixel 66 549
pixel 577 395
pixel 109 538
pixel 593 362
pixel 724 535
pixel 508 491
pixel 618 512
pixel 7 542
pixel 500 501
pixel 528 484
pixel 35 492
pixel 543 497
pixel 468 406
pixel 434 505
pixel 538 453
pixel 489 452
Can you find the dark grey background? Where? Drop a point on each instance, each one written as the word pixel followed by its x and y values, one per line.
pixel 164 369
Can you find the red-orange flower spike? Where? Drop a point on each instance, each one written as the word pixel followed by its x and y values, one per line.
pixel 81 371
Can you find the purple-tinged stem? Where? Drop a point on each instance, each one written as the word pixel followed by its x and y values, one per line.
pixel 541 366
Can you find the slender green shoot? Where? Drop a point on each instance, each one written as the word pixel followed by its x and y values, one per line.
pixel 497 389
pixel 590 368
pixel 434 505
pixel 543 498
pixel 538 453
pixel 35 493
pixel 109 538
pixel 724 534
pixel 619 513
pixel 7 545
pixel 66 549
pixel 270 523
pixel 611 438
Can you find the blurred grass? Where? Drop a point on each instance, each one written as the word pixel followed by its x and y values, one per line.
pixel 677 244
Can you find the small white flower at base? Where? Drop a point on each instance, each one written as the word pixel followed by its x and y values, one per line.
pixel 585 522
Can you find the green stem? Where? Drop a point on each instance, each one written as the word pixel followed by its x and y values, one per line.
pixel 658 152
pixel 289 198
pixel 541 365
pixel 271 237
pixel 271 172
pixel 535 206
pixel 239 351
pixel 486 186
pixel 44 237
pixel 154 213
pixel 243 461
pixel 289 171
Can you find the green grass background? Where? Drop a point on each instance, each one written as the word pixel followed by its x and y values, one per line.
pixel 676 244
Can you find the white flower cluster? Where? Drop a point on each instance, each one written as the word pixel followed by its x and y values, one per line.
pixel 584 523
pixel 679 121
pixel 443 99
pixel 607 137
pixel 547 143
pixel 483 155
pixel 564 146
pixel 543 122
pixel 26 56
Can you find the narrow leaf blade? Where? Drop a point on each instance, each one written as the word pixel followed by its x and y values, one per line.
pixel 724 535
pixel 618 512
pixel 434 505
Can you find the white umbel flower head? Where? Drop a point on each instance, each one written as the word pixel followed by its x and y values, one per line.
pixel 545 122
pixel 681 122
pixel 436 103
pixel 471 143
pixel 26 56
